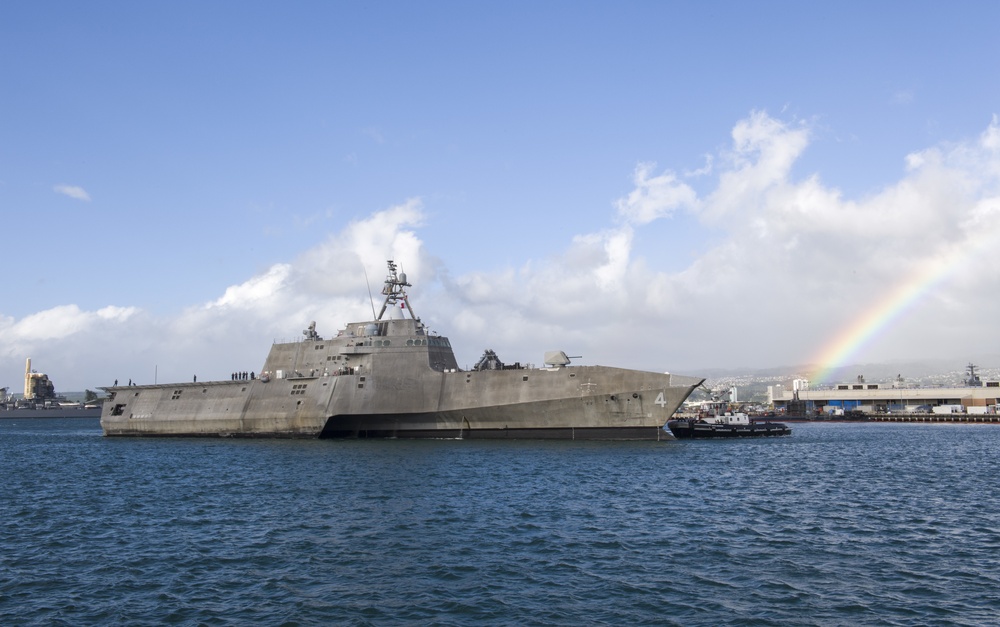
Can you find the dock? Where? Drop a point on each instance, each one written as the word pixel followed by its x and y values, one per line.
pixel 942 418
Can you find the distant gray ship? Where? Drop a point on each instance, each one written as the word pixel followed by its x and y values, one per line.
pixel 41 401
pixel 392 377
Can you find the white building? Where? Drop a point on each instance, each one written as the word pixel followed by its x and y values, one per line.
pixel 874 398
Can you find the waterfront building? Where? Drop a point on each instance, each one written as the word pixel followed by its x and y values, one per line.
pixel 875 398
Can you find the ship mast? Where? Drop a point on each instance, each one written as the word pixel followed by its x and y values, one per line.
pixel 395 294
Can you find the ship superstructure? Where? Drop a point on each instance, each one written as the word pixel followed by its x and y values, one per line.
pixel 392 377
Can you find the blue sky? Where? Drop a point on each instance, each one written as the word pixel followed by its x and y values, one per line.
pixel 670 186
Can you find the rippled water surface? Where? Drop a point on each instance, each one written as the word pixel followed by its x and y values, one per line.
pixel 838 524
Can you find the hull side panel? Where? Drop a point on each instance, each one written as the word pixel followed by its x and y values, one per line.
pixel 580 402
pixel 215 409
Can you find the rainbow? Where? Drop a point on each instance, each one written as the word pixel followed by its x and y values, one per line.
pixel 879 318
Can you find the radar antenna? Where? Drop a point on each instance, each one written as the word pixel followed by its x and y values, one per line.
pixel 395 294
pixel 370 298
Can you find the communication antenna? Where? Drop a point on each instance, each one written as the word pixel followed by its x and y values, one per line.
pixel 371 299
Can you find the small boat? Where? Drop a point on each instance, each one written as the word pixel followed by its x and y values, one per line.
pixel 725 425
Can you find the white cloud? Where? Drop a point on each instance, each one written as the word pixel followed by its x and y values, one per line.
pixel 654 197
pixel 258 290
pixel 788 264
pixel 902 97
pixel 72 191
pixel 116 314
pixel 51 324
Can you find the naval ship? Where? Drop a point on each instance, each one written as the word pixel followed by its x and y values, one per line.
pixel 41 401
pixel 391 377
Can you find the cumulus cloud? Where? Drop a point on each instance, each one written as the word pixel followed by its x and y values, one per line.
pixel 789 263
pixel 654 196
pixel 902 97
pixel 72 191
pixel 793 262
pixel 60 322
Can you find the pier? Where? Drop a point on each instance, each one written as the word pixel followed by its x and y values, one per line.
pixel 943 418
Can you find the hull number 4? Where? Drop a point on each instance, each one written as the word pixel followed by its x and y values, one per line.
pixel 662 402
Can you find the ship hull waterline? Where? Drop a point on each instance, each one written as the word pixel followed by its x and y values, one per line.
pixel 34 414
pixel 259 410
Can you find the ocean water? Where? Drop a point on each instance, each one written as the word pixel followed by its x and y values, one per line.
pixel 839 524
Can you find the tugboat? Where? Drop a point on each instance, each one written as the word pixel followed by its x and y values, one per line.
pixel 725 424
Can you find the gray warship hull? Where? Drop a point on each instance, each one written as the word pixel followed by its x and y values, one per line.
pixel 393 378
pixel 71 412
pixel 581 402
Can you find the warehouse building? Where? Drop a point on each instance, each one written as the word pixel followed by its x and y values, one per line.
pixel 976 397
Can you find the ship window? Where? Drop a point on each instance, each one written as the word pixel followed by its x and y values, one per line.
pixel 385 342
pixel 524 378
pixel 361 385
pixel 243 390
pixel 993 384
pixel 572 374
